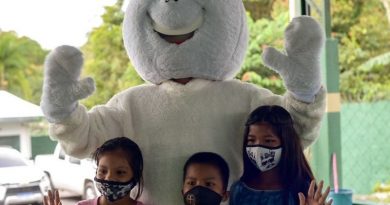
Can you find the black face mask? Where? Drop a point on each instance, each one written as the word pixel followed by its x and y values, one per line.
pixel 201 195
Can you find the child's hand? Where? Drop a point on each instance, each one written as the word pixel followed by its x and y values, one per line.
pixel 52 198
pixel 316 198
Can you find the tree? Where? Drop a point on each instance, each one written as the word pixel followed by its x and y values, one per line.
pixel 357 24
pixel 106 59
pixel 21 61
pixel 386 4
pixel 259 8
pixel 364 46
pixel 262 32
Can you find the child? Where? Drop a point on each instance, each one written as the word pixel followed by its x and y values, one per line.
pixel 119 169
pixel 205 179
pixel 275 169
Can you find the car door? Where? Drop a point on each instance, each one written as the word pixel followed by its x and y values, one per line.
pixel 58 169
pixel 74 172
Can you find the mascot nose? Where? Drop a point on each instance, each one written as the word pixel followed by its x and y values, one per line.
pixel 166 1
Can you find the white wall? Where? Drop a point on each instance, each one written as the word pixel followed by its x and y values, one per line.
pixel 21 130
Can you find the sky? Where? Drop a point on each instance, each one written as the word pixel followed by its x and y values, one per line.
pixel 52 22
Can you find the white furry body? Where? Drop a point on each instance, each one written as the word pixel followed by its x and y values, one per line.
pixel 170 122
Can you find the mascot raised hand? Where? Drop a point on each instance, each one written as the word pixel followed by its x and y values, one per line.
pixel 189 52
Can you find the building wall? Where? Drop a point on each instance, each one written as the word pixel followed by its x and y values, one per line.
pixel 13 132
pixel 42 145
pixel 13 141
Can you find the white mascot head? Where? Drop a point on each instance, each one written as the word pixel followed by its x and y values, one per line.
pixel 173 39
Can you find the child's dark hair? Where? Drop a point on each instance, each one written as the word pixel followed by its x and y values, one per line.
pixel 294 169
pixel 209 158
pixel 133 155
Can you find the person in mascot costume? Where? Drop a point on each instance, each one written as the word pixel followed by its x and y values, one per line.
pixel 189 52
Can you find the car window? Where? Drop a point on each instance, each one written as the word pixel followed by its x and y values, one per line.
pixel 11 158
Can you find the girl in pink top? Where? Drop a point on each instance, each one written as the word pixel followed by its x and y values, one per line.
pixel 119 169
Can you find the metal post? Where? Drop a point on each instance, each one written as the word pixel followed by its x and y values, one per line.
pixel 295 8
pixel 298 8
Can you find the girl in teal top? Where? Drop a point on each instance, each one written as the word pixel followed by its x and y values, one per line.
pixel 275 169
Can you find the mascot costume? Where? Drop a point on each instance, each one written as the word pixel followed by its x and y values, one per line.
pixel 189 52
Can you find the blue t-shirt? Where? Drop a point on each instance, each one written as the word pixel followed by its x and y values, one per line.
pixel 241 194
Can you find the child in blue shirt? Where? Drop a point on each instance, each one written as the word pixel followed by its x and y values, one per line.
pixel 276 171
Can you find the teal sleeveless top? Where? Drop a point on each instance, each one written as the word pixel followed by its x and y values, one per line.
pixel 241 194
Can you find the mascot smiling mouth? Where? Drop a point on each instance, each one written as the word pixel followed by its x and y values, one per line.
pixel 179 35
pixel 178 39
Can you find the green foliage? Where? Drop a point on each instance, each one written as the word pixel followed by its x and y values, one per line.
pixel 259 8
pixel 360 26
pixel 363 32
pixel 382 187
pixel 106 59
pixel 273 83
pixel 381 194
pixel 264 32
pixel 21 61
pixel 345 14
pixel 375 62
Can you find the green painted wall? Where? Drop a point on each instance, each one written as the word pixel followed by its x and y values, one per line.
pixel 12 141
pixel 42 145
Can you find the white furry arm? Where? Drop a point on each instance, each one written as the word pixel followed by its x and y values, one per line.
pixel 307 116
pixel 299 66
pixel 82 132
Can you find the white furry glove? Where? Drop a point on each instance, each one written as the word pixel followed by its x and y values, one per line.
pixel 300 66
pixel 62 88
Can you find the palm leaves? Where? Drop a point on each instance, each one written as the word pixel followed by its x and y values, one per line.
pixel 19 58
pixel 375 62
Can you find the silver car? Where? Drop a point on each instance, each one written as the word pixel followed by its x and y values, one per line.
pixel 20 181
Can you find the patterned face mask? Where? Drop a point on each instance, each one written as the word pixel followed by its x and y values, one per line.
pixel 112 190
pixel 264 158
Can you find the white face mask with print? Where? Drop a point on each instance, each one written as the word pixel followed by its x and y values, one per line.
pixel 264 158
